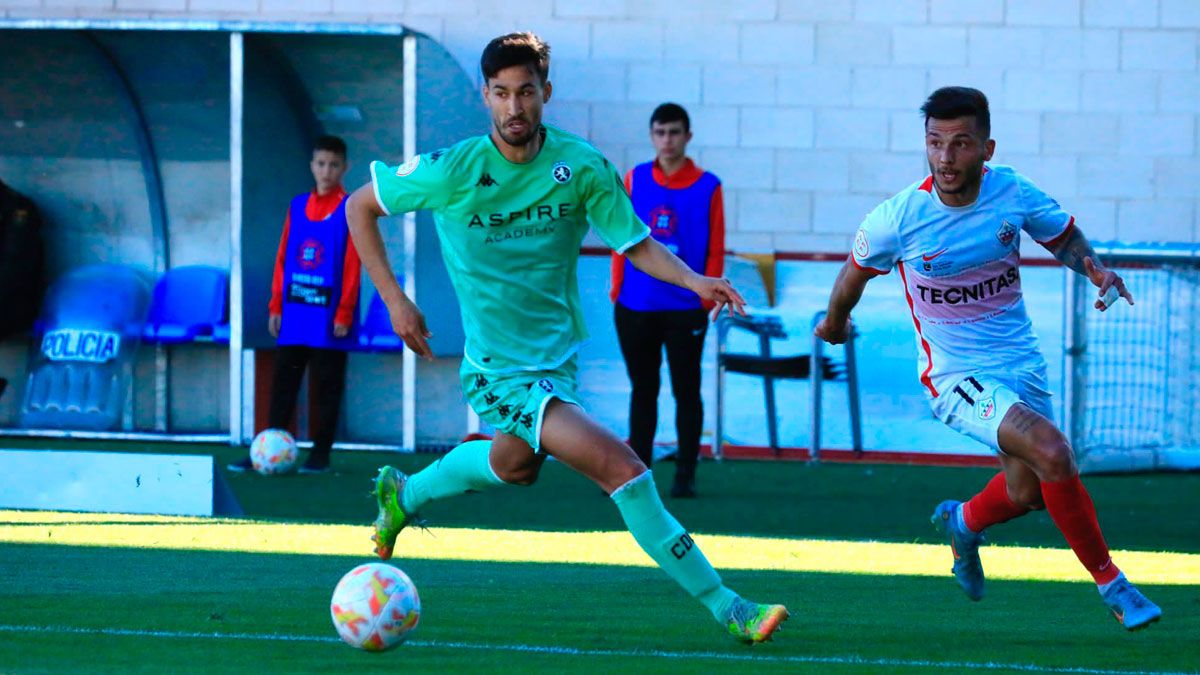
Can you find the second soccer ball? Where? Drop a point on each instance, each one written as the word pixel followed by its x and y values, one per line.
pixel 273 451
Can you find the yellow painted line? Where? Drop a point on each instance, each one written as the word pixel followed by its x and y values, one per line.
pixel 601 548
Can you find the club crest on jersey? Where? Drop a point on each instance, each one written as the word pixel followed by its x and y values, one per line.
pixel 862 248
pixel 312 254
pixel 1006 233
pixel 663 221
pixel 561 173
pixel 408 166
pixel 985 408
pixel 546 385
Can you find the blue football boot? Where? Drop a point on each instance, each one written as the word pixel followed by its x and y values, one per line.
pixel 964 544
pixel 1131 609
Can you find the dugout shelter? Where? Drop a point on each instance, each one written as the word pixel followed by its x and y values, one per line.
pixel 159 145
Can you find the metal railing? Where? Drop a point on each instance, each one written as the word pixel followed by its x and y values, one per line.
pixel 816 379
pixel 813 366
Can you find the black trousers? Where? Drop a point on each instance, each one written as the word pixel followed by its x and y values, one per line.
pixel 643 335
pixel 328 375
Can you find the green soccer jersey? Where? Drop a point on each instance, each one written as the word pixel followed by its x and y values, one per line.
pixel 510 236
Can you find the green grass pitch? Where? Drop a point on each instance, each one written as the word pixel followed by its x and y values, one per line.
pixel 106 609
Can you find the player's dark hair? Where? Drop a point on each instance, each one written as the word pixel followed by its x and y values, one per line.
pixel 516 49
pixel 950 103
pixel 332 144
pixel 671 112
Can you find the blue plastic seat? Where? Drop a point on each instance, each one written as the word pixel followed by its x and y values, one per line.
pixel 190 304
pixel 89 330
pixel 375 333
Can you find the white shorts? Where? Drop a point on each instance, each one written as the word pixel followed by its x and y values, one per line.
pixel 975 404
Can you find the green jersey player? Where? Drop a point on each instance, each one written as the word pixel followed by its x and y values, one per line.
pixel 511 209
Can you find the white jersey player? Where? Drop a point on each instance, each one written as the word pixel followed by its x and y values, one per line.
pixel 955 238
pixel 960 266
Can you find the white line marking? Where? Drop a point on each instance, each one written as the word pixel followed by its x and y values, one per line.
pixel 573 651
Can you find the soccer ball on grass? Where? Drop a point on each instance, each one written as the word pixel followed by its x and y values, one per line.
pixel 273 451
pixel 374 607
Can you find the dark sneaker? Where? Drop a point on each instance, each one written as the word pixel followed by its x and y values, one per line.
pixel 683 488
pixel 240 467
pixel 315 464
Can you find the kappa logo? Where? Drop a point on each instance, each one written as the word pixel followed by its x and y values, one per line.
pixel 409 166
pixel 561 173
pixel 486 180
pixel 1006 233
pixel 523 418
pixel 986 408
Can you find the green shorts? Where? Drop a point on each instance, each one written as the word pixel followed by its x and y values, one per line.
pixel 514 403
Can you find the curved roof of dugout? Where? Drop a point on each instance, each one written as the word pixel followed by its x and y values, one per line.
pixel 161 143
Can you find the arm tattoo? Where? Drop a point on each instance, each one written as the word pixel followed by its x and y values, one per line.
pixel 1074 249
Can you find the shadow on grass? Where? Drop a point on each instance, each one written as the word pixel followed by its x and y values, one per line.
pixel 783 499
pixel 491 609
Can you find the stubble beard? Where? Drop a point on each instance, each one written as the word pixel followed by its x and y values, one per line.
pixel 517 141
pixel 972 177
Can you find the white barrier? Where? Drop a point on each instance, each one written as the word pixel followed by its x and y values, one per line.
pixel 111 482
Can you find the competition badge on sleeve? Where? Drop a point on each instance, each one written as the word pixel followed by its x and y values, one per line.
pixel 861 247
pixel 409 166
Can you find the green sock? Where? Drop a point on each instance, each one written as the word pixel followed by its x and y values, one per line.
pixel 665 541
pixel 464 469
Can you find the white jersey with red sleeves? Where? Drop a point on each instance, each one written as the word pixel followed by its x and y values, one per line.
pixel 960 267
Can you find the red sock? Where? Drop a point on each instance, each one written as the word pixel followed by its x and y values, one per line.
pixel 991 506
pixel 1072 510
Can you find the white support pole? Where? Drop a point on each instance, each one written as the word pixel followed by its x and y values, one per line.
pixel 1074 345
pixel 409 365
pixel 236 105
pixel 162 383
pixel 248 389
